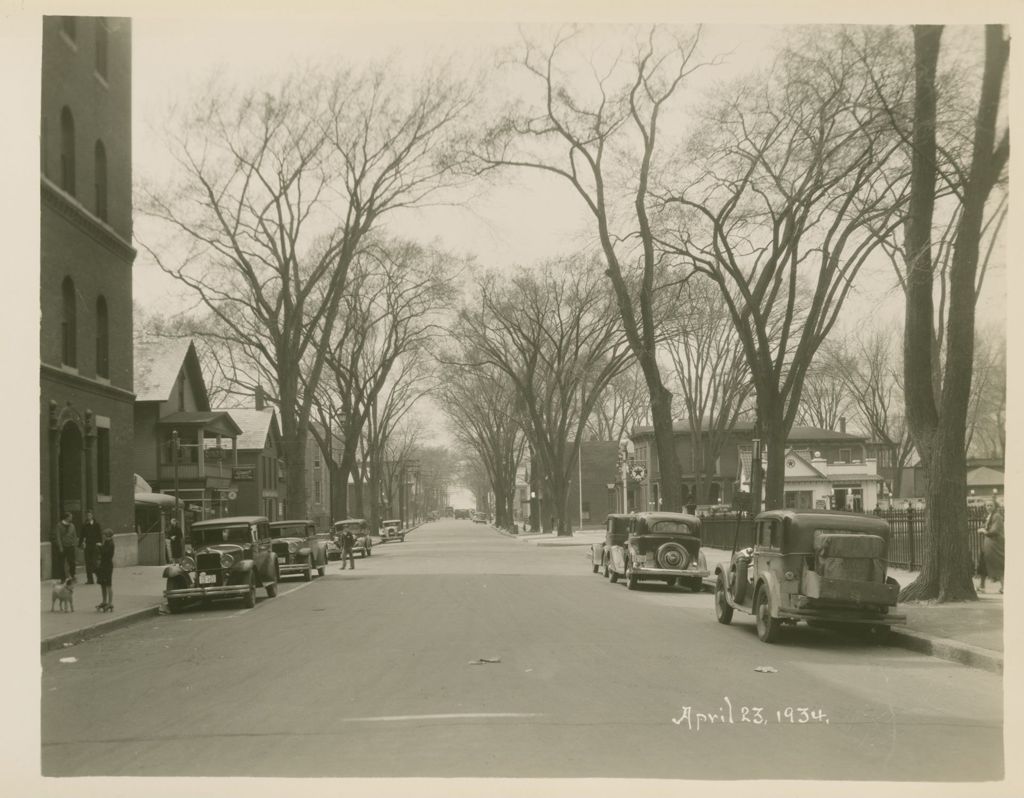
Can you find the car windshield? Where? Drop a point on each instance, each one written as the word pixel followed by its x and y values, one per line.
pixel 296 531
pixel 210 536
pixel 671 528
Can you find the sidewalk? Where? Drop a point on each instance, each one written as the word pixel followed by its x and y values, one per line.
pixel 138 593
pixel 969 632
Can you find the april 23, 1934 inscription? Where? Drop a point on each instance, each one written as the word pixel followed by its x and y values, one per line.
pixel 728 715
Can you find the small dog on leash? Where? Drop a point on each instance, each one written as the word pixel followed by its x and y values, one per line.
pixel 64 592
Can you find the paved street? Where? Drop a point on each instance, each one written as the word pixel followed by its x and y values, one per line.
pixel 368 673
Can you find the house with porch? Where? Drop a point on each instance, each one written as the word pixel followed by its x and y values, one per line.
pixel 182 447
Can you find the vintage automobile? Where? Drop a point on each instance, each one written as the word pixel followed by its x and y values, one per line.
pixel 333 549
pixel 392 530
pixel 660 547
pixel 224 558
pixel 298 549
pixel 827 568
pixel 616 530
pixel 359 527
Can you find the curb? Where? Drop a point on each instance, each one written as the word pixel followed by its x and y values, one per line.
pixel 944 648
pixel 68 639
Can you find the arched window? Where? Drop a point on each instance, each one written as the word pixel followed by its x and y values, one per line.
pixel 102 339
pixel 101 180
pixel 68 324
pixel 67 151
pixel 101 47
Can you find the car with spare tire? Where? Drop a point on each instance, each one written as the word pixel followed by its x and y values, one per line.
pixel 660 547
pixel 298 549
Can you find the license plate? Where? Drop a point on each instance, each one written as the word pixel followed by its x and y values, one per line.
pixel 207 579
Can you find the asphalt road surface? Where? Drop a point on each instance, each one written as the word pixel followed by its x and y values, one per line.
pixel 371 673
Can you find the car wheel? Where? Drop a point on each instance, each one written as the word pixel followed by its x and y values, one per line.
pixel 631 580
pixel 672 555
pixel 249 601
pixel 614 577
pixel 321 570
pixel 768 628
pixel 723 610
pixel 605 569
pixel 272 590
pixel 594 567
pixel 308 573
pixel 175 605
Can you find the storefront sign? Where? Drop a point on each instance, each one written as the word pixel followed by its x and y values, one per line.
pixel 243 473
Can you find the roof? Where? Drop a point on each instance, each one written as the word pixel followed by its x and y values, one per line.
pixel 157 365
pixel 293 522
pixel 254 425
pixel 203 418
pixel 984 476
pixel 745 428
pixel 669 517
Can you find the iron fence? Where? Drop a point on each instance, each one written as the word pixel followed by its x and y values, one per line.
pixel 909 530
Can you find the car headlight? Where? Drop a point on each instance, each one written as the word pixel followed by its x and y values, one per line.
pixel 293 547
pixel 226 560
pixel 187 564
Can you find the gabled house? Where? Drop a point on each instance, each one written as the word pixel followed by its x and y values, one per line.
pixel 176 431
pixel 258 483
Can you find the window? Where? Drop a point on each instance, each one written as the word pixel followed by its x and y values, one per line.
pixel 318 490
pixel 68 27
pixel 103 460
pixel 100 175
pixel 67 151
pixel 316 457
pixel 102 339
pixel 102 35
pixel 844 455
pixel 68 324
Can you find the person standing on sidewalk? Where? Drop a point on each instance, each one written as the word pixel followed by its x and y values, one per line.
pixel 993 547
pixel 65 542
pixel 348 540
pixel 89 538
pixel 105 571
pixel 176 539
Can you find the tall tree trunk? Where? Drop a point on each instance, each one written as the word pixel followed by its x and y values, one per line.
pixel 669 473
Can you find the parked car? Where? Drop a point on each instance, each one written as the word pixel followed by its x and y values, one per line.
pixel 824 567
pixel 616 530
pixel 462 514
pixel 663 547
pixel 298 549
pixel 392 530
pixel 359 527
pixel 224 558
pixel 333 549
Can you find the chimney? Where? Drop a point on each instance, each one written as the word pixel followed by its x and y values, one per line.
pixel 261 399
pixel 842 424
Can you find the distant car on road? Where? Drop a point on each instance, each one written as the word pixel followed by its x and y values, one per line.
pixel 392 530
pixel 479 518
pixel 462 514
pixel 224 558
pixel 663 547
pixel 298 549
pixel 359 527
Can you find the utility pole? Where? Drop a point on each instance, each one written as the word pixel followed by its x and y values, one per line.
pixel 174 454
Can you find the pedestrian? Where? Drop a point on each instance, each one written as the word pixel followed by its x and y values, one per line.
pixel 65 543
pixel 105 572
pixel 176 539
pixel 89 538
pixel 348 540
pixel 993 547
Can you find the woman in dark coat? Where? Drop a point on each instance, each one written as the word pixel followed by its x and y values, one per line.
pixel 105 572
pixel 993 547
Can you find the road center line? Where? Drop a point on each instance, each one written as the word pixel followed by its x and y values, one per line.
pixel 446 716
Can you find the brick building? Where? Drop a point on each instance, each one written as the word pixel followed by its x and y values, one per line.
pixel 86 384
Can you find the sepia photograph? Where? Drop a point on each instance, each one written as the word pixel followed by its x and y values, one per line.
pixel 517 400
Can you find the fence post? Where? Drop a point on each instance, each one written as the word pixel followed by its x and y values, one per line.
pixel 911 554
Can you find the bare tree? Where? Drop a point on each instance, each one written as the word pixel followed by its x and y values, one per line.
pixel 601 137
pixel 794 175
pixel 937 415
pixel 824 400
pixel 711 372
pixel 986 418
pixel 623 405
pixel 279 186
pixel 484 420
pixel 556 336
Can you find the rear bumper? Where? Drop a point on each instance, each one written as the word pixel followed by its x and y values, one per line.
pixel 853 616
pixel 293 568
pixel 644 571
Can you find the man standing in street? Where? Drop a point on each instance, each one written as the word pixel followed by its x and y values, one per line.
pixel 348 540
pixel 65 543
pixel 90 538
